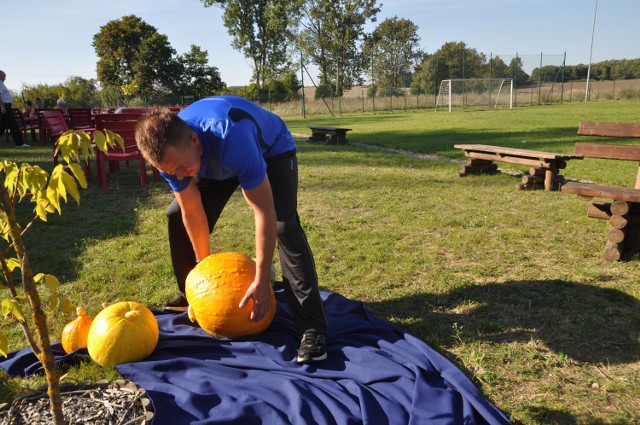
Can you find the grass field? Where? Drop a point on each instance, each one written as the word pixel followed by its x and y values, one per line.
pixel 510 285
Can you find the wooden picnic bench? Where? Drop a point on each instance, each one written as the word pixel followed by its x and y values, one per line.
pixel 623 210
pixel 337 135
pixel 544 165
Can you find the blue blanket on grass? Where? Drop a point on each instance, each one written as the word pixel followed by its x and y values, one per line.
pixel 376 373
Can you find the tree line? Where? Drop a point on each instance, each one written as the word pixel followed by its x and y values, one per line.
pixel 282 39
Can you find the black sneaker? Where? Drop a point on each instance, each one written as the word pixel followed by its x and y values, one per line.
pixel 313 347
pixel 178 303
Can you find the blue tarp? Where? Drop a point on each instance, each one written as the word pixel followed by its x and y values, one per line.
pixel 375 373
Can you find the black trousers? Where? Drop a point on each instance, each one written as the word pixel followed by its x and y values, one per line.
pixel 8 120
pixel 296 259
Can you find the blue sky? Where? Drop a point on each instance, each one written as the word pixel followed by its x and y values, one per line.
pixel 49 41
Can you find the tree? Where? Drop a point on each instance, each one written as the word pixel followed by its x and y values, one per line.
pixel 394 49
pixel 27 182
pixel 332 32
pixel 133 55
pixel 498 69
pixel 452 60
pixel 80 92
pixel 261 30
pixel 516 71
pixel 197 77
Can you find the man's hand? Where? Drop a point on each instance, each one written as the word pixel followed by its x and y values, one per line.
pixel 260 292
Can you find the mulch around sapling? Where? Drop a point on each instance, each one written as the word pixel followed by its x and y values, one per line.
pixel 114 403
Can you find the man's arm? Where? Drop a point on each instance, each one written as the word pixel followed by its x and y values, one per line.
pixel 260 199
pixel 194 219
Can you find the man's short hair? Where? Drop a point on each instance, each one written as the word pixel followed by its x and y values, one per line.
pixel 159 129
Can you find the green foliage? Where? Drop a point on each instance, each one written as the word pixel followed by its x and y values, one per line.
pixel 456 60
pixel 394 51
pixel 331 37
pixel 78 92
pixel 197 78
pixel 261 30
pixel 133 55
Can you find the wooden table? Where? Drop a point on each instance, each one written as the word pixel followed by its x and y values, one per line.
pixel 544 165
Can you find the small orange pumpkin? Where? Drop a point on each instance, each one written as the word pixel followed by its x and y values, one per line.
pixel 74 334
pixel 123 332
pixel 215 287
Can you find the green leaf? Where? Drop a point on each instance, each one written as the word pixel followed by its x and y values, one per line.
pixel 53 196
pixel 4 344
pixel 100 141
pixel 66 306
pixel 13 264
pixel 6 307
pixel 37 278
pixel 11 175
pixel 68 145
pixel 12 306
pixel 53 302
pixel 41 211
pixel 70 186
pixel 17 310
pixel 77 171
pixel 51 282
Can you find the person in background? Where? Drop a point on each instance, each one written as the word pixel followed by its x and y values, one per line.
pixel 61 105
pixel 7 119
pixel 121 106
pixel 39 103
pixel 29 110
pixel 205 152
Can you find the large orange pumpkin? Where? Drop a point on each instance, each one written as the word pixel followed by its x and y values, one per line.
pixel 215 287
pixel 123 332
pixel 74 334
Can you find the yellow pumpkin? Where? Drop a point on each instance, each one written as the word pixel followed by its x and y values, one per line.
pixel 215 287
pixel 123 332
pixel 74 334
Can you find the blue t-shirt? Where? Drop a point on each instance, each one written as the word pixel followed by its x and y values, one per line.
pixel 236 137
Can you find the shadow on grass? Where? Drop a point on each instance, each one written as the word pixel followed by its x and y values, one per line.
pixel 54 246
pixel 441 142
pixel 584 322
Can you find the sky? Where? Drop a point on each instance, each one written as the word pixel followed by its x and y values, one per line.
pixel 49 41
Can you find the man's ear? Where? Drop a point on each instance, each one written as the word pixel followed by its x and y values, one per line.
pixel 195 140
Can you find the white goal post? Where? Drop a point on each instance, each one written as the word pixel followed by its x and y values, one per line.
pixel 493 93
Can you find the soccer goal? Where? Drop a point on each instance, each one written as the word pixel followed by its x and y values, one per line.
pixel 491 93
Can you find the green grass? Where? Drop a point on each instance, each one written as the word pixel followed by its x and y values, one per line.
pixel 510 285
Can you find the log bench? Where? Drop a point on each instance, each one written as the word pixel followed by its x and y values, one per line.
pixel 337 135
pixel 623 210
pixel 543 173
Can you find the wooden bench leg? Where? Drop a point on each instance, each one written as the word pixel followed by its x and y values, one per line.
pixel 619 224
pixel 317 137
pixel 478 166
pixel 537 179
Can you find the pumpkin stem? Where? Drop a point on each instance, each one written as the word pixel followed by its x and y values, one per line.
pixel 131 315
pixel 80 311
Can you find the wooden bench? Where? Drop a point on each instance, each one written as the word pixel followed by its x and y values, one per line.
pixel 543 173
pixel 623 210
pixel 338 136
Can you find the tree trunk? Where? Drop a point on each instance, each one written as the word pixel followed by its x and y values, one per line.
pixel 39 317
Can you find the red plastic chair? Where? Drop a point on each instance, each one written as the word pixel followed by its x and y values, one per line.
pixel 125 126
pixel 81 119
pixel 53 123
pixel 25 125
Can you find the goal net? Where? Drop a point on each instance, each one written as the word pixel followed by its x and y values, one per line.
pixel 480 93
